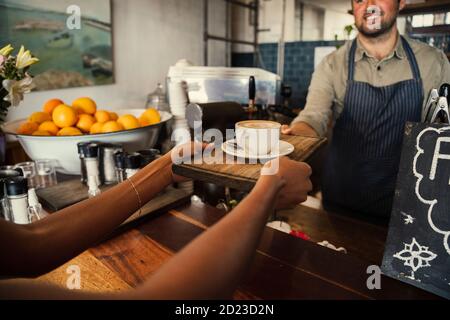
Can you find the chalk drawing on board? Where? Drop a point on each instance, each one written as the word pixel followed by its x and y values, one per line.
pixel 415 256
pixel 412 277
pixel 408 218
pixel 437 156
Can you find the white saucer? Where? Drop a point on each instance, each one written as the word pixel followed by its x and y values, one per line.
pixel 230 147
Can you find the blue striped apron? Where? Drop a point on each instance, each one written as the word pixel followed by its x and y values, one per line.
pixel 362 163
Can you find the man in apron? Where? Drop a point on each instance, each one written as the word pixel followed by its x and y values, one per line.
pixel 370 88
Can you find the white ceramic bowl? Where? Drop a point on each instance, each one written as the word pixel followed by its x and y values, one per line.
pixel 64 149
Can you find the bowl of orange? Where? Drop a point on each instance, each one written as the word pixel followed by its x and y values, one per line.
pixel 54 132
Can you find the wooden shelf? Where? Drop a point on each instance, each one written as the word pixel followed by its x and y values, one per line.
pixel 434 30
pixel 430 6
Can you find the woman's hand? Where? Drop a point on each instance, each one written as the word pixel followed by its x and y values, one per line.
pixel 183 153
pixel 292 178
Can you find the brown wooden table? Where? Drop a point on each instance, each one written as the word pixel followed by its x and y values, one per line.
pixel 284 267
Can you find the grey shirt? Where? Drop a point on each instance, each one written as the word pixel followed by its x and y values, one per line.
pixel 329 81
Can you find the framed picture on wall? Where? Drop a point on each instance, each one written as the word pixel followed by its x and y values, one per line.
pixel 71 38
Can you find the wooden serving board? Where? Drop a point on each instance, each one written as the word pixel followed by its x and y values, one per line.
pixel 166 200
pixel 242 176
pixel 73 191
pixel 64 194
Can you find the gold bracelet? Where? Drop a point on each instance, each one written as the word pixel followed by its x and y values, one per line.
pixel 138 196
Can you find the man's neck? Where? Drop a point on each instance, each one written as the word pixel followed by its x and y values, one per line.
pixel 381 46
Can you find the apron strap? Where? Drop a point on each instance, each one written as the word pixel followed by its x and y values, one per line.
pixel 351 61
pixel 411 58
pixel 409 53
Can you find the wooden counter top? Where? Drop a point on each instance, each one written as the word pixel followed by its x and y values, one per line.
pixel 284 267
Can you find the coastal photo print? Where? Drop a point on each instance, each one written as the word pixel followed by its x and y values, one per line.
pixel 71 38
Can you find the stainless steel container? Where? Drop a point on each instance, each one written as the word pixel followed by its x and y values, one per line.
pixel 107 162
pixel 17 195
pixel 119 163
pixel 4 204
pixel 132 164
pixel 148 156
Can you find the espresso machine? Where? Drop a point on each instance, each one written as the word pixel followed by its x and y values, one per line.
pixel 214 115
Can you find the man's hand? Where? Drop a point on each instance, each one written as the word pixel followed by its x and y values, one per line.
pixel 293 179
pixel 299 129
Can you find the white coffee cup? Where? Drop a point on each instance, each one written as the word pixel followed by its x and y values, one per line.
pixel 258 137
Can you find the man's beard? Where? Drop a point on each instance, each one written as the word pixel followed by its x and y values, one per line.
pixel 385 27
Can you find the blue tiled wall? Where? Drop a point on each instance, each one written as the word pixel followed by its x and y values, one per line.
pixel 298 65
pixel 299 62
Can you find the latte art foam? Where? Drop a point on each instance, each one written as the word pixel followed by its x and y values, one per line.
pixel 259 124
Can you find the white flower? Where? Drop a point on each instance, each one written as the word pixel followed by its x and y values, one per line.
pixel 16 89
pixel 2 59
pixel 5 51
pixel 24 59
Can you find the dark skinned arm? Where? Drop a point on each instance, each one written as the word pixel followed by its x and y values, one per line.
pixel 34 249
pixel 212 265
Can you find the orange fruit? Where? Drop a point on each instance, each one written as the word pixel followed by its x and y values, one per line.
pixel 64 116
pixel 78 110
pixel 129 121
pixel 69 131
pixel 149 117
pixel 50 127
pixel 102 116
pixel 96 128
pixel 50 105
pixel 143 121
pixel 113 116
pixel 85 122
pixel 27 128
pixel 39 117
pixel 87 105
pixel 41 133
pixel 111 126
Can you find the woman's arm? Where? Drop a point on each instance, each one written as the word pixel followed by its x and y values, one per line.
pixel 212 265
pixel 35 249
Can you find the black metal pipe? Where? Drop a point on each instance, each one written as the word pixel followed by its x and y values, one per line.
pixel 255 33
pixel 227 33
pixel 242 4
pixel 205 32
pixel 212 37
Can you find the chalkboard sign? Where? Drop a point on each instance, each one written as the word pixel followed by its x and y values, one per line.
pixel 418 245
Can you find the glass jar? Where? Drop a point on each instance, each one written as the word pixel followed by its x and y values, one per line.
pixel 157 99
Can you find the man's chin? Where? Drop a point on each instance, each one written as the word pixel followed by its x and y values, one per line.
pixel 372 33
